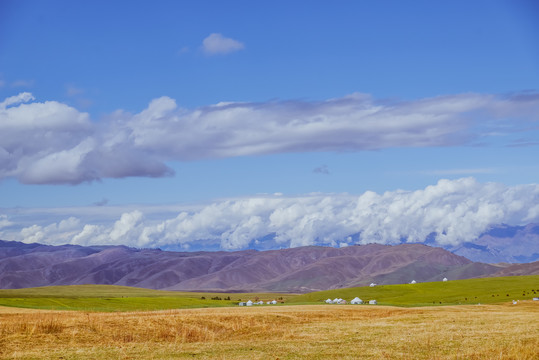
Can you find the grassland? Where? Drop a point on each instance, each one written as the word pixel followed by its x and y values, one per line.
pixel 279 332
pixel 121 298
pixel 114 322
pixel 471 291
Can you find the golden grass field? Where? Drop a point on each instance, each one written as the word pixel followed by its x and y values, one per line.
pixel 278 332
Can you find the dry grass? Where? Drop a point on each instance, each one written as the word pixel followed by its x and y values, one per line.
pixel 287 332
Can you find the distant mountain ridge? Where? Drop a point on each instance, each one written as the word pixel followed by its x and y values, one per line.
pixel 503 243
pixel 300 269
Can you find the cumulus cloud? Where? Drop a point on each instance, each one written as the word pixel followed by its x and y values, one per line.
pixel 216 44
pixel 61 232
pixel 451 212
pixel 124 228
pixel 51 142
pixel 4 221
pixel 17 99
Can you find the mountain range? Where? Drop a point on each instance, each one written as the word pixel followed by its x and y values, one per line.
pixel 503 243
pixel 301 269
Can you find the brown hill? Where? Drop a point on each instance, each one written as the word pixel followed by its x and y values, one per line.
pixel 289 270
pixel 519 269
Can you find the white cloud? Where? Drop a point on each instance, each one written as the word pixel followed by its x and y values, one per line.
pixel 90 235
pixel 218 44
pixel 456 211
pixel 35 135
pixel 50 142
pixel 125 226
pixel 4 221
pixel 17 99
pixel 61 232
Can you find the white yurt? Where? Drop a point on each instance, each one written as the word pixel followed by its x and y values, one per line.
pixel 329 301
pixel 445 279
pixel 373 302
pixel 356 300
pixel 413 282
pixel 274 302
pixel 372 285
pixel 249 303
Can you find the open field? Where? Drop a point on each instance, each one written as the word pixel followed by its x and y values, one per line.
pixel 472 291
pixel 120 298
pixel 115 322
pixel 280 332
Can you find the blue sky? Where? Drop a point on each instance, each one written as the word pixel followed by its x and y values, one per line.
pixel 136 104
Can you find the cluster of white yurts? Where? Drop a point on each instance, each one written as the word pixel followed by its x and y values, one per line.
pixel 251 303
pixel 357 300
pixel 354 301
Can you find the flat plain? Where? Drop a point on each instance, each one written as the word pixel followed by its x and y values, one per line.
pixel 121 298
pixel 110 322
pixel 281 332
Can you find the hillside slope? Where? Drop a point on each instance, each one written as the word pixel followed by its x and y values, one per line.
pixel 301 269
pixel 503 243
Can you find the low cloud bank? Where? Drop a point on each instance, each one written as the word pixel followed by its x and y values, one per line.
pixel 455 211
pixel 53 143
